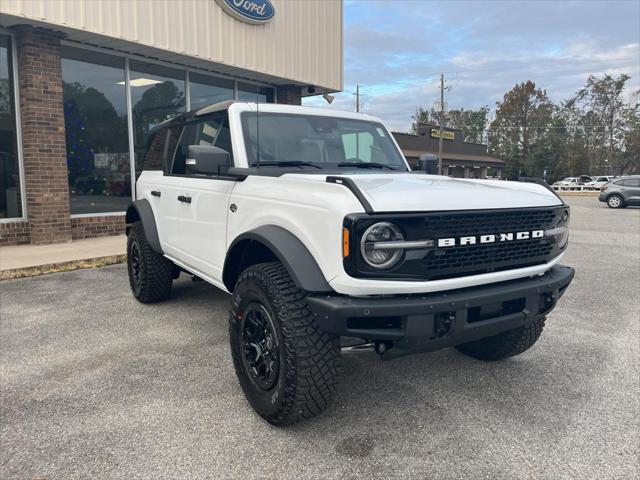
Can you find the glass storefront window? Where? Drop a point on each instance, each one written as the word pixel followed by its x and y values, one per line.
pixel 157 94
pixel 254 93
pixel 95 118
pixel 204 90
pixel 10 196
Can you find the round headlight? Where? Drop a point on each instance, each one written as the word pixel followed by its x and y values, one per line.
pixel 375 256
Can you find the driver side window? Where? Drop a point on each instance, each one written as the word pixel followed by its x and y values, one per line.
pixel 211 132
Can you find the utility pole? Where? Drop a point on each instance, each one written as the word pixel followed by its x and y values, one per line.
pixel 441 122
pixel 358 98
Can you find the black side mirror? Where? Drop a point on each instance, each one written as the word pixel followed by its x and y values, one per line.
pixel 206 160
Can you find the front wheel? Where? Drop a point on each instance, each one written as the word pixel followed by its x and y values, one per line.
pixel 287 367
pixel 615 201
pixel 505 344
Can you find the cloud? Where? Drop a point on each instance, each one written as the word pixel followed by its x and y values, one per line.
pixel 398 49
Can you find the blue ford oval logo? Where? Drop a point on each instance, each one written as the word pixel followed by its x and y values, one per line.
pixel 249 11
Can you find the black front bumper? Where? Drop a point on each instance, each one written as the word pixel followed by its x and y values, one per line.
pixel 427 322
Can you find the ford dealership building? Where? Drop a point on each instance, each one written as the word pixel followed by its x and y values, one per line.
pixel 83 81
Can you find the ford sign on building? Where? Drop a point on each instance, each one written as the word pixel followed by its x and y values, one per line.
pixel 250 11
pixel 85 81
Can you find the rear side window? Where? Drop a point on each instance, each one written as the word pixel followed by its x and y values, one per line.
pixel 629 182
pixel 212 131
pixel 160 149
pixel 153 155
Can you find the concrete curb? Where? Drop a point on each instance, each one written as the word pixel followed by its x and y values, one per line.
pixel 62 267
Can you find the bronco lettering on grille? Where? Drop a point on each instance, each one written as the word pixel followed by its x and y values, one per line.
pixel 490 238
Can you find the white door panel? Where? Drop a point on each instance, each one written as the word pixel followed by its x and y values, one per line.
pixel 161 191
pixel 170 214
pixel 203 224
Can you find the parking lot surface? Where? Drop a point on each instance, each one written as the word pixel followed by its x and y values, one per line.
pixel 96 385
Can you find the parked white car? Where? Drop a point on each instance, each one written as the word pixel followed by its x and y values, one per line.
pixel 573 183
pixel 567 183
pixel 312 220
pixel 599 182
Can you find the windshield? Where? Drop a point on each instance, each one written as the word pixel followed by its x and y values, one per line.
pixel 319 142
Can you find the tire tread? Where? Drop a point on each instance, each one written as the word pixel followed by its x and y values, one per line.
pixel 506 344
pixel 158 271
pixel 317 353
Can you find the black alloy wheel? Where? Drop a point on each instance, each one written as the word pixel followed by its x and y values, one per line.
pixel 286 365
pixel 135 266
pixel 261 347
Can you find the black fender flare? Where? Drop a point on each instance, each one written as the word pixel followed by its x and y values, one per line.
pixel 140 210
pixel 287 248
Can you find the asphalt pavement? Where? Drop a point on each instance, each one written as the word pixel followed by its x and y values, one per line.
pixel 96 385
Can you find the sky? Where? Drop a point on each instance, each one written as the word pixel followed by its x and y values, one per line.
pixel 397 49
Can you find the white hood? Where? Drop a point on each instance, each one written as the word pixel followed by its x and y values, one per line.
pixel 413 192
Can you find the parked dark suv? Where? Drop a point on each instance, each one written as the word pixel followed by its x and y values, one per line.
pixel 621 192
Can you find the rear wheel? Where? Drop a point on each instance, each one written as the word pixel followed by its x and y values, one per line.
pixel 287 367
pixel 150 274
pixel 505 344
pixel 615 201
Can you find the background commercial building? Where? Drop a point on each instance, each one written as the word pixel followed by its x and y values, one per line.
pixel 83 81
pixel 459 158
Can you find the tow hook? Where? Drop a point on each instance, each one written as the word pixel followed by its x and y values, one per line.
pixel 383 346
pixel 548 301
pixel 442 323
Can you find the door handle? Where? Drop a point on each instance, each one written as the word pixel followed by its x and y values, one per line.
pixel 156 193
pixel 184 199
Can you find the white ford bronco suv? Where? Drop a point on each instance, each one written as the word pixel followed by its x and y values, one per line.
pixel 313 221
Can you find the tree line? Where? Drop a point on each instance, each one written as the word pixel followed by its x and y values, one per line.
pixel 596 131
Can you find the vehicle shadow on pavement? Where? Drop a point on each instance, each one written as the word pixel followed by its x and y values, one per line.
pixel 441 392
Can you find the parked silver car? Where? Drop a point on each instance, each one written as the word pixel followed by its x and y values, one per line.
pixel 621 192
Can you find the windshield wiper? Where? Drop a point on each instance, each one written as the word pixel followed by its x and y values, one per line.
pixel 365 165
pixel 293 163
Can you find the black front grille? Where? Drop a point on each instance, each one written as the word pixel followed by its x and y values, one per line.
pixel 479 223
pixel 482 258
pixel 474 259
pixel 463 260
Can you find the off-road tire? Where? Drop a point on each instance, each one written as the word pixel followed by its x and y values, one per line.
pixel 309 358
pixel 505 344
pixel 155 272
pixel 615 201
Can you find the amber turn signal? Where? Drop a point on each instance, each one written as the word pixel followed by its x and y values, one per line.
pixel 345 242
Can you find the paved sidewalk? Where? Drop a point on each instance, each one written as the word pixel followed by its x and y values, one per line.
pixel 30 256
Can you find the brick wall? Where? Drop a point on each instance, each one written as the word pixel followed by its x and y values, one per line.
pixel 100 226
pixel 43 139
pixel 18 233
pixel 14 233
pixel 290 95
